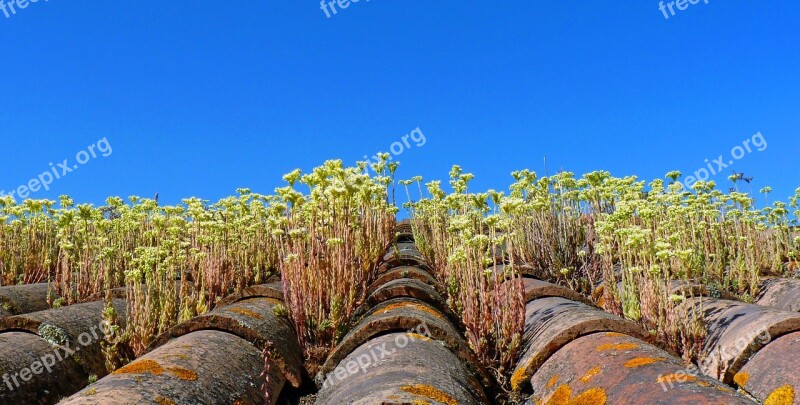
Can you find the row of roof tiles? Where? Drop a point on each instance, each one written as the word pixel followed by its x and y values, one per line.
pixel 405 348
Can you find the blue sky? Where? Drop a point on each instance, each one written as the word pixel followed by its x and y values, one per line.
pixel 198 98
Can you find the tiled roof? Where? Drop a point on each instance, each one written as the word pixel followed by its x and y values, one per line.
pixel 407 347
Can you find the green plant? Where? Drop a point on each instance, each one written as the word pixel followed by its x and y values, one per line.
pixel 280 311
pixel 633 239
pixel 330 241
pixel 28 249
pixel 460 234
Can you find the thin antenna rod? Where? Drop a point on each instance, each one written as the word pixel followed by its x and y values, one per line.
pixel 545 167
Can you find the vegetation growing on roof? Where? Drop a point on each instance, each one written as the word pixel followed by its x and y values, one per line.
pixel 623 241
pixel 459 234
pixel 330 240
pixel 630 238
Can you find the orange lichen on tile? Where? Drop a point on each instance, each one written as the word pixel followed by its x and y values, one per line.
pixel 520 375
pixel 164 401
pixel 676 377
pixel 141 367
pixel 591 373
pixel 594 396
pixel 741 378
pixel 642 361
pixel 182 373
pixel 152 367
pixel 246 312
pixel 553 381
pixel 615 334
pixel 561 395
pixel 617 346
pixel 783 395
pixel 428 391
pixel 704 384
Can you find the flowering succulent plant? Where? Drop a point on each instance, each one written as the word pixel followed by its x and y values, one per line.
pixel 633 239
pixel 464 235
pixel 334 236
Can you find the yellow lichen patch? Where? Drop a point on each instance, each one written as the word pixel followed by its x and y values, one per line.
pixel 618 346
pixel 741 378
pixel 430 392
pixel 182 373
pixel 90 392
pixel 141 367
pixel 561 395
pixel 419 337
pixel 594 396
pixel 676 377
pixel 642 361
pixel 419 402
pixel 405 304
pixel 246 312
pixel 782 396
pixel 520 375
pixel 164 401
pixel 552 382
pixel 704 384
pixel 591 373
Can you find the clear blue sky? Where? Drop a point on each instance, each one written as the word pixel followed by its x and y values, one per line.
pixel 197 98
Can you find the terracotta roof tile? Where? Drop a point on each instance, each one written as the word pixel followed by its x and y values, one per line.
pixel 407 347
